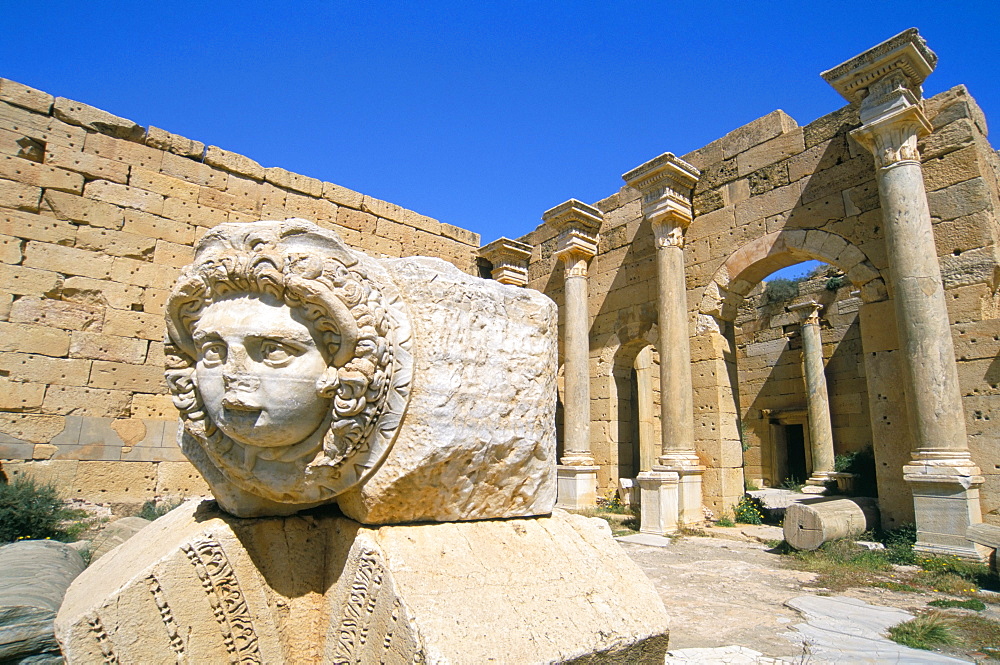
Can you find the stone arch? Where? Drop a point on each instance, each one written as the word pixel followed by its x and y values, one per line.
pixel 719 429
pixel 756 260
pixel 625 426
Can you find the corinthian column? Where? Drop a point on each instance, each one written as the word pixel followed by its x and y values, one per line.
pixel 944 480
pixel 817 400
pixel 577 225
pixel 666 184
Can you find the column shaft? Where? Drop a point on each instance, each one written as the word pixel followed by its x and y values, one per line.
pixel 676 393
pixel 818 401
pixel 937 418
pixel 577 372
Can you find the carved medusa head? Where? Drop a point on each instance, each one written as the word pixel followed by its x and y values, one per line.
pixel 288 358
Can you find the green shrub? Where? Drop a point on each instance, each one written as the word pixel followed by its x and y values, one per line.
pixel 749 511
pixel 835 283
pixel 899 544
pixel 924 632
pixel 862 464
pixel 780 290
pixel 32 511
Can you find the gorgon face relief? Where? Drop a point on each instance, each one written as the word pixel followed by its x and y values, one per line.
pixel 288 356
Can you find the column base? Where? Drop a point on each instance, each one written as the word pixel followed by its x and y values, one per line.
pixel 659 505
pixel 820 482
pixel 576 486
pixel 690 510
pixel 945 504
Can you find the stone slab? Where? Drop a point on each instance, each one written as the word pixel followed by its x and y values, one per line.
pixel 201 586
pixel 848 630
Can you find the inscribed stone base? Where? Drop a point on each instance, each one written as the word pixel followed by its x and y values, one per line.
pixel 690 511
pixel 198 585
pixel 946 504
pixel 659 502
pixel 577 487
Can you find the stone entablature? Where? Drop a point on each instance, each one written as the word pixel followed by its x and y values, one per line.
pixel 509 259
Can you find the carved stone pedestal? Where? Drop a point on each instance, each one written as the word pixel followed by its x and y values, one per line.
pixel 659 502
pixel 946 503
pixel 200 586
pixel 576 486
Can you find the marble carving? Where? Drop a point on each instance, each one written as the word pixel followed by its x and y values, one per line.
pixel 403 389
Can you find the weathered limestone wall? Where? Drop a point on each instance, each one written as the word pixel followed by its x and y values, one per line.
pixel 769 362
pixel 97 215
pixel 772 194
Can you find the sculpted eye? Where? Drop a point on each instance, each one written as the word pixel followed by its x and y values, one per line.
pixel 213 353
pixel 275 353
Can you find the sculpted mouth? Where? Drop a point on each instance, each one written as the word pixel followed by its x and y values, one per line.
pixel 238 403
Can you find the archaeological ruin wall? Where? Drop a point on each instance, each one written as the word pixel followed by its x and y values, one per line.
pixel 97 216
pixel 772 194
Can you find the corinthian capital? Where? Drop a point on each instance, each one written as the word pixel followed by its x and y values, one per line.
pixel 893 139
pixel 886 80
pixel 577 225
pixel 809 311
pixel 666 184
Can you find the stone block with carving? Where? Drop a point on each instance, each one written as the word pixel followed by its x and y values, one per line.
pixel 308 373
pixel 201 586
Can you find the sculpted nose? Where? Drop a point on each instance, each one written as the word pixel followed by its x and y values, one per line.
pixel 235 375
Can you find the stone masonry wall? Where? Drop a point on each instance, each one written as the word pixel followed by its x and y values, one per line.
pixel 97 216
pixel 769 362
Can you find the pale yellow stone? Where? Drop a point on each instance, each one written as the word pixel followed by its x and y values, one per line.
pixel 429 593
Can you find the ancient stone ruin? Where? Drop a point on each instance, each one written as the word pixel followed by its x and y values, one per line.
pixel 306 374
pixel 674 377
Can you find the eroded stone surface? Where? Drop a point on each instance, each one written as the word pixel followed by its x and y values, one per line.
pixel 478 438
pixel 202 586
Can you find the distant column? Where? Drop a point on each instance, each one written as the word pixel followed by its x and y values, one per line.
pixel 666 184
pixel 945 482
pixel 577 225
pixel 817 399
pixel 509 259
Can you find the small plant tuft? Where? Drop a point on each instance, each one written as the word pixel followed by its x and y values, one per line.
pixel 725 520
pixel 926 631
pixel 32 511
pixel 153 510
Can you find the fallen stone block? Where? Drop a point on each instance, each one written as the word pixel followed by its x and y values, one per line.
pixel 34 576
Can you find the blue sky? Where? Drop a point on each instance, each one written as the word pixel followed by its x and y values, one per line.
pixel 480 114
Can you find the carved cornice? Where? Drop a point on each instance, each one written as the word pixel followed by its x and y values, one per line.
pixel 666 184
pixel 892 139
pixel 809 311
pixel 573 215
pixel 509 259
pixel 906 55
pixel 575 249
